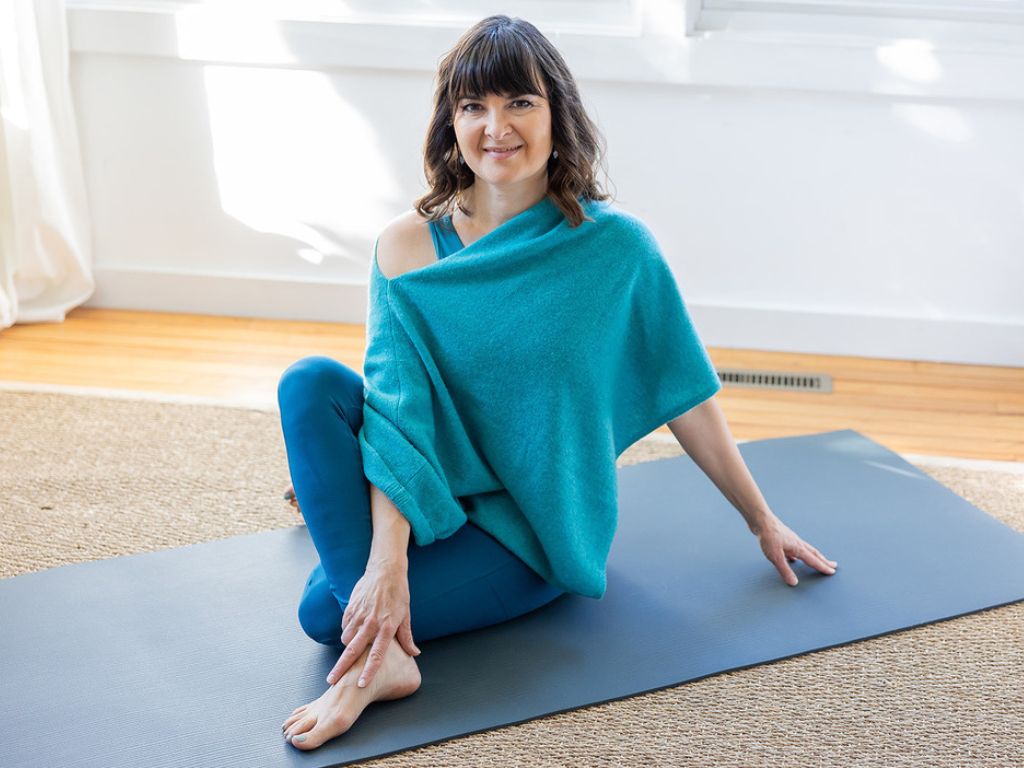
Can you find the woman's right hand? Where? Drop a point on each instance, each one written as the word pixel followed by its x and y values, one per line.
pixel 378 612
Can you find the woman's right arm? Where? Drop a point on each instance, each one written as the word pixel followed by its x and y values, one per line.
pixel 378 608
pixel 391 531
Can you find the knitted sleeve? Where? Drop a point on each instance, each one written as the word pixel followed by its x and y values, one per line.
pixel 667 370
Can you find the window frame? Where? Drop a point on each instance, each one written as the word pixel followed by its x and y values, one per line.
pixel 663 42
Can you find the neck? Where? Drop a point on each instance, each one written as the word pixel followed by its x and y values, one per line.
pixel 492 205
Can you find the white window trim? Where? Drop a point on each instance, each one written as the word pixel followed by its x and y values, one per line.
pixel 559 14
pixel 999 11
pixel 662 41
pixel 963 25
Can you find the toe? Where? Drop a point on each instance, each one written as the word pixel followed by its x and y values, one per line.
pixel 323 731
pixel 293 719
pixel 300 726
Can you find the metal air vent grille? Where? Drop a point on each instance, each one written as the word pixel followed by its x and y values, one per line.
pixel 800 382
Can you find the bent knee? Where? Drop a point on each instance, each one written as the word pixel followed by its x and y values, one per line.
pixel 321 621
pixel 317 375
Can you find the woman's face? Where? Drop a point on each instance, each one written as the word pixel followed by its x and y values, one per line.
pixel 485 122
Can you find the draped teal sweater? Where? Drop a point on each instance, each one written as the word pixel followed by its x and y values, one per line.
pixel 502 383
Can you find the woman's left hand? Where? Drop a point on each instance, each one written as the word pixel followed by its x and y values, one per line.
pixel 781 546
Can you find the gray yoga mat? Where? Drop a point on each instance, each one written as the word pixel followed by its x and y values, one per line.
pixel 193 656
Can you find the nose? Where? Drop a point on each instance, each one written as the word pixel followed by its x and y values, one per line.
pixel 497 124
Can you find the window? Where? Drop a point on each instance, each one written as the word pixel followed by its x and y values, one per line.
pixel 951 24
pixel 592 15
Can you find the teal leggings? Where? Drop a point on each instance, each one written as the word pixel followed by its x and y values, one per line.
pixel 463 582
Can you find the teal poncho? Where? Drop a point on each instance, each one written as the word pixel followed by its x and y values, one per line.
pixel 502 382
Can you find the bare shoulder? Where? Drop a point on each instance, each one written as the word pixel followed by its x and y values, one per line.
pixel 405 244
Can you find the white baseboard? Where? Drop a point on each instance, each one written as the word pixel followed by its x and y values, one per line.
pixel 258 296
pixel 943 340
pixel 939 340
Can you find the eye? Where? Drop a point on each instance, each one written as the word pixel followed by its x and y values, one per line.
pixel 518 104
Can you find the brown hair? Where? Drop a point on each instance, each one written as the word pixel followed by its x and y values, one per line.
pixel 509 56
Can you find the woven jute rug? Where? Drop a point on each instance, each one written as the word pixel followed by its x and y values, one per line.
pixel 85 478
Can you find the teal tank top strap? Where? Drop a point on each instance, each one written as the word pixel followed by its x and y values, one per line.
pixel 446 239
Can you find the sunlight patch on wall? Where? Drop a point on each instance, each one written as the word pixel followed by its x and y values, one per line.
pixel 941 122
pixel 911 59
pixel 293 158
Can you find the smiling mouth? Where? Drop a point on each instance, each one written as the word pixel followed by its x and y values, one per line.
pixel 503 151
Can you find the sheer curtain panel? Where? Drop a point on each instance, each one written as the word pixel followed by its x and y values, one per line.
pixel 45 249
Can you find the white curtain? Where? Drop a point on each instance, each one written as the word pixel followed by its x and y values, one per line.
pixel 45 248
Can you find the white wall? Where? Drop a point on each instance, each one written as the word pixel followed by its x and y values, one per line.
pixel 873 220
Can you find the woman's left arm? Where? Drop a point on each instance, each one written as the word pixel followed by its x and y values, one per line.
pixel 704 434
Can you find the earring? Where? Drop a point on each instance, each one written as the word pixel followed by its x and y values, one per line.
pixel 462 160
pixel 554 155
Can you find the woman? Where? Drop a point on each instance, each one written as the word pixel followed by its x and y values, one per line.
pixel 511 153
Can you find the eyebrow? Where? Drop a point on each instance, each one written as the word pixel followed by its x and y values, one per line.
pixel 475 97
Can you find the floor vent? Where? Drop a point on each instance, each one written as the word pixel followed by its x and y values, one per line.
pixel 801 382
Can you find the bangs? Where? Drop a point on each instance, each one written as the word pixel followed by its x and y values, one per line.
pixel 495 64
pixel 504 58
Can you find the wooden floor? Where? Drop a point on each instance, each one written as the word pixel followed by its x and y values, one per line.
pixel 911 407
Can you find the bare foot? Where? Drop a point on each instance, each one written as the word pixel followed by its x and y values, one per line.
pixel 340 706
pixel 289 495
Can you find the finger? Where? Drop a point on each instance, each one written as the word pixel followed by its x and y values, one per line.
pixel 352 652
pixel 355 624
pixel 376 655
pixel 405 639
pixel 816 560
pixel 349 630
pixel 816 551
pixel 346 617
pixel 779 561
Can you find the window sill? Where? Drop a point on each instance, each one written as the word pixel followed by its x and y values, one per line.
pixel 652 50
